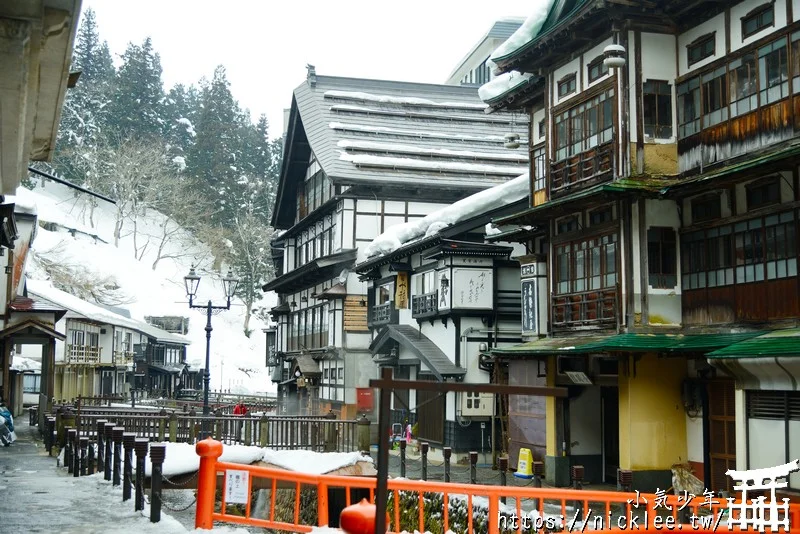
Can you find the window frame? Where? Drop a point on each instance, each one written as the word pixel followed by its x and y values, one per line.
pixel 698 44
pixel 764 185
pixel 579 253
pixel 663 273
pixel 658 128
pixel 593 64
pixel 707 199
pixel 567 85
pixel 757 14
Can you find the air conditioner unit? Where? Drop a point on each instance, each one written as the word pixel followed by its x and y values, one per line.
pixel 475 404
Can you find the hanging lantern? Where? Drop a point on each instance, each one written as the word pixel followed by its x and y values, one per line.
pixel 511 140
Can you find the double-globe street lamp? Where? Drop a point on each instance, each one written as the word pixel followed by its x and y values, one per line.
pixel 229 283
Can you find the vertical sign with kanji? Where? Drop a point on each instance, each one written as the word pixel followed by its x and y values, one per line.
pixel 530 298
pixel 236 486
pixel 401 291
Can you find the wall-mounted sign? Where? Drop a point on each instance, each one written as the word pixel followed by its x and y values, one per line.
pixel 401 291
pixel 472 288
pixel 236 486
pixel 444 288
pixel 529 292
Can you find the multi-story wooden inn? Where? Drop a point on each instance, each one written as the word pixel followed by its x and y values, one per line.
pixel 359 157
pixel 666 196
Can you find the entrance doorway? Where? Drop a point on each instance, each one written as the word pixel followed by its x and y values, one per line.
pixel 721 433
pixel 609 413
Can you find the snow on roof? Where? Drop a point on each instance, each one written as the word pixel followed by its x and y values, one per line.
pixel 23 203
pixel 88 310
pixel 408 100
pixel 415 134
pixel 481 202
pixel 527 32
pixel 25 364
pixel 409 149
pixel 420 114
pixel 428 165
pixel 502 84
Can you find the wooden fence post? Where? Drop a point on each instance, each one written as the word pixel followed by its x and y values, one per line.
pixel 162 425
pixel 264 430
pixel 173 427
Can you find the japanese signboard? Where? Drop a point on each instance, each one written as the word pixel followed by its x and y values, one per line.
pixel 236 486
pixel 473 288
pixel 401 291
pixel 530 298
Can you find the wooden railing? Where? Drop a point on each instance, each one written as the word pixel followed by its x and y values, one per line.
pixel 590 164
pixel 425 305
pixel 383 314
pixel 123 357
pixel 276 432
pixel 83 354
pixel 598 308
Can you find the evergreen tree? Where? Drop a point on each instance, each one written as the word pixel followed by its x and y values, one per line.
pixel 213 158
pixel 137 109
pixel 181 109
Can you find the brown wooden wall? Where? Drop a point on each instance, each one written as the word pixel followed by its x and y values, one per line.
pixel 355 315
pixel 757 302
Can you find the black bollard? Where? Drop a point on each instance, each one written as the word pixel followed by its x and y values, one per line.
pixel 68 449
pixel 577 472
pixel 157 454
pixel 101 445
pixel 538 475
pixel 117 437
pixel 447 451
pixel 403 458
pixel 108 439
pixel 76 454
pixel 91 459
pixel 424 450
pixel 128 442
pixel 473 467
pixel 140 446
pixel 503 470
pixel 83 444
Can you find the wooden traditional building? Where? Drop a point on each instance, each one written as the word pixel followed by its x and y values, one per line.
pixel 438 298
pixel 361 156
pixel 666 196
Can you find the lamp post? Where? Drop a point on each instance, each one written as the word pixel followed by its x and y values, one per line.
pixel 229 283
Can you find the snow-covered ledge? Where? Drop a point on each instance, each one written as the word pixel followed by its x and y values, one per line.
pixel 502 85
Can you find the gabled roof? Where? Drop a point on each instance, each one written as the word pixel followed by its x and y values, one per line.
pixel 426 350
pixel 313 271
pixel 32 326
pixel 36 305
pixel 396 134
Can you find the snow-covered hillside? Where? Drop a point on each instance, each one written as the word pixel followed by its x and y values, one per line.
pixel 84 245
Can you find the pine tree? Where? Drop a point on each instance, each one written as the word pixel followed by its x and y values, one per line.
pixel 137 109
pixel 181 110
pixel 213 158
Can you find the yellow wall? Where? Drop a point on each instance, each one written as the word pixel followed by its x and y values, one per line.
pixel 550 409
pixel 652 422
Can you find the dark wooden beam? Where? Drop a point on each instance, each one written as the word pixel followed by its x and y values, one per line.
pixel 498 389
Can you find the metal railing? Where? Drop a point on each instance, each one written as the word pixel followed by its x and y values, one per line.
pixel 425 304
pixel 588 308
pixel 442 506
pixel 83 354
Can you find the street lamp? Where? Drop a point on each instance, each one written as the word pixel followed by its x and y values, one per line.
pixel 229 283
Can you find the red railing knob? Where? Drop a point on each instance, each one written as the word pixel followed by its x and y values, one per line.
pixel 359 518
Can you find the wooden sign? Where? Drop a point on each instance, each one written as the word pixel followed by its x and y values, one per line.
pixel 401 291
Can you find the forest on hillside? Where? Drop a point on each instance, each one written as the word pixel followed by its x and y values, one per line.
pixel 190 152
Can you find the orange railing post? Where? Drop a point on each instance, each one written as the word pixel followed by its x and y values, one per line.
pixel 209 451
pixel 322 504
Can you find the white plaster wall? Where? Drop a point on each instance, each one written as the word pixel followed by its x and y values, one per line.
pixel 658 63
pixel 61 346
pixel 470 350
pixel 424 208
pixel 585 428
pixel 714 24
pixel 367 226
pixel 665 213
pixel 591 55
pixel 796 9
pixel 633 123
pixel 106 343
pixel 741 432
pixel 635 250
pixel 538 116
pixel 564 70
pixel 348 220
pixel 743 8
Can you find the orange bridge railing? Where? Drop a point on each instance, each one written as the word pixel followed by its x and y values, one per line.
pixel 296 502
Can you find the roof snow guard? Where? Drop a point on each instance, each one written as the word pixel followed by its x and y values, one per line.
pixel 391 134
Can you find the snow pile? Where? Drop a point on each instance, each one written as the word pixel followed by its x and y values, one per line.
pixel 181 458
pixel 481 202
pixel 492 229
pixel 407 100
pixel 502 84
pixel 311 462
pixel 22 364
pixel 237 362
pixel 411 163
pixel 525 33
pixel 22 204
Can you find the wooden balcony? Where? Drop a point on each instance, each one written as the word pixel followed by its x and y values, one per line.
pixel 593 165
pixel 425 305
pixel 383 314
pixel 123 357
pixel 83 354
pixel 593 309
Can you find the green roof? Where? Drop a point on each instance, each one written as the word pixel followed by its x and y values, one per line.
pixel 665 343
pixel 777 343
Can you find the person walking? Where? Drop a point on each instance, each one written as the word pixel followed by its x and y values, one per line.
pixel 7 436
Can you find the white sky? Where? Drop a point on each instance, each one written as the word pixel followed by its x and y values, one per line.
pixel 266 44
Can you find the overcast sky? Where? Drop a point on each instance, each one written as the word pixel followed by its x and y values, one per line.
pixel 266 44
